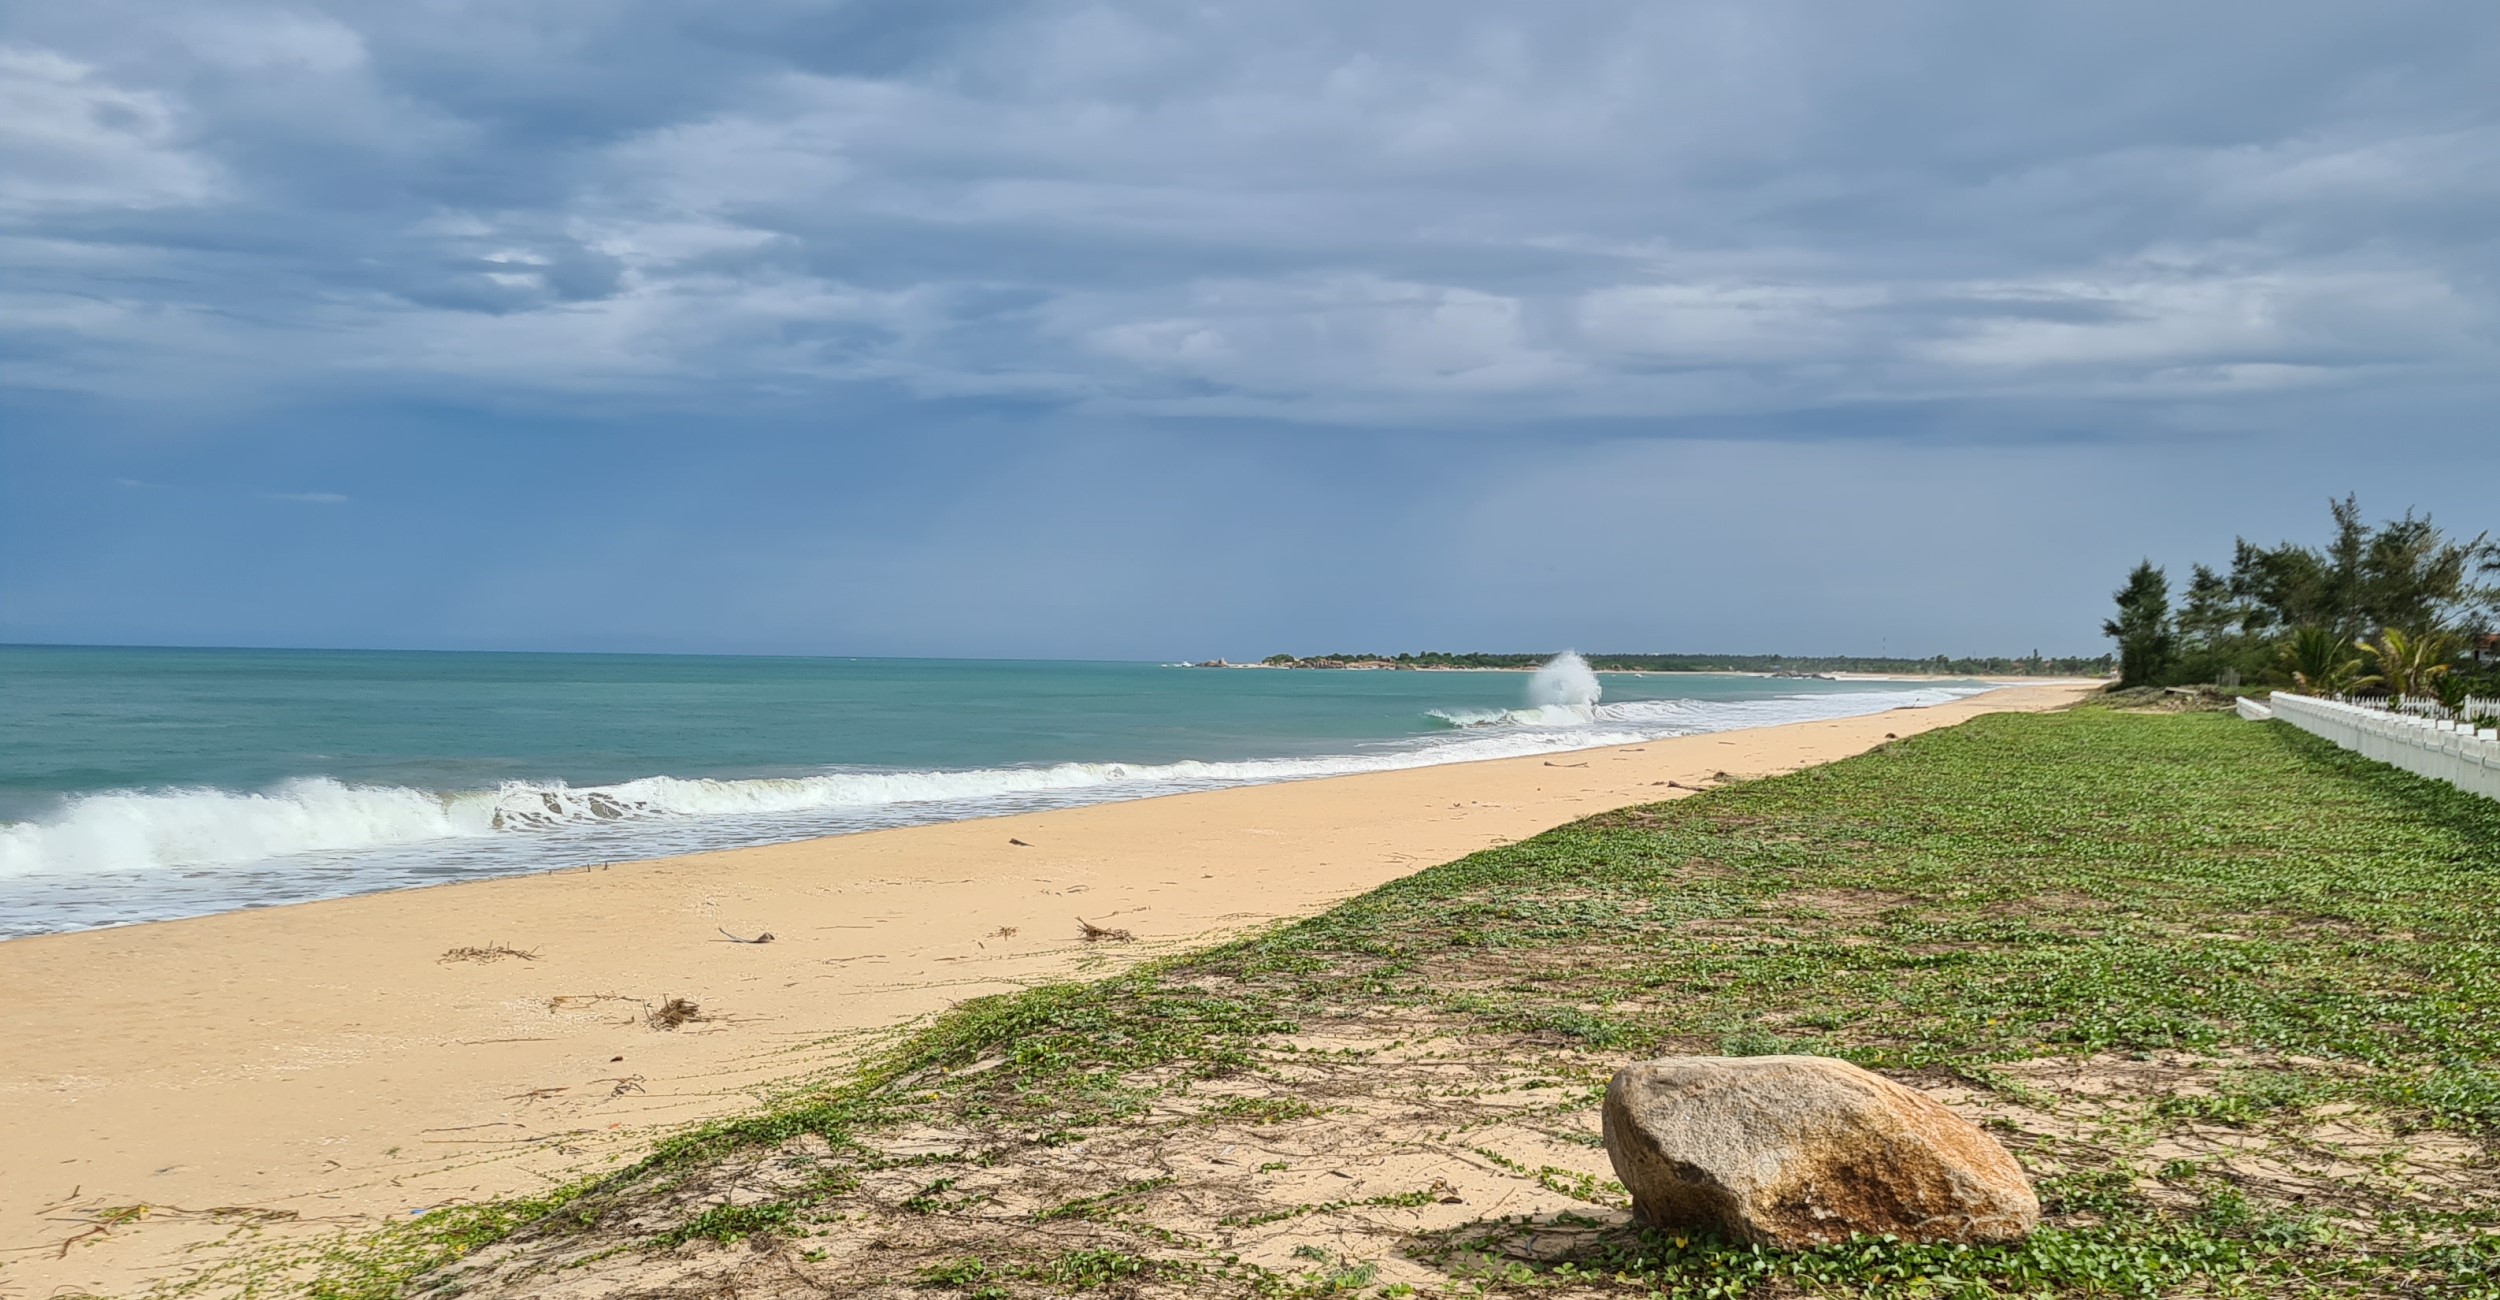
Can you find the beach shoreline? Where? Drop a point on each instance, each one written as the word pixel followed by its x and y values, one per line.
pixel 337 1062
pixel 1386 666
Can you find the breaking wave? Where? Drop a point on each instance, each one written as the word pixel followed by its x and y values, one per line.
pixel 375 836
pixel 151 828
pixel 1562 693
pixel 124 829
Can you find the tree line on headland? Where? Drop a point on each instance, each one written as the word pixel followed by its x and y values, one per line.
pixel 2036 665
pixel 2402 608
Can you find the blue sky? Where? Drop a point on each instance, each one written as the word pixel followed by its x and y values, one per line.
pixel 1148 330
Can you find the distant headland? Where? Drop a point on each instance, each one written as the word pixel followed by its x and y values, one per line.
pixel 2034 665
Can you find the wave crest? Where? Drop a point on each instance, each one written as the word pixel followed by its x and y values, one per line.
pixel 179 828
pixel 143 829
pixel 208 827
pixel 1543 715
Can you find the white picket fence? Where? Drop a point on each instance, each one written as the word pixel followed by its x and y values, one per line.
pixel 2400 736
pixel 2422 706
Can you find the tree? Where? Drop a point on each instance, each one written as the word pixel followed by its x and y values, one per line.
pixel 2342 588
pixel 2146 642
pixel 2318 662
pixel 2414 577
pixel 2484 614
pixel 2405 574
pixel 2206 619
pixel 2282 586
pixel 2410 663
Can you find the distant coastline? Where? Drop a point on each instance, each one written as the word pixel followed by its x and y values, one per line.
pixel 1813 667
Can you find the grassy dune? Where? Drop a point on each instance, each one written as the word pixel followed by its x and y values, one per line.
pixel 2231 996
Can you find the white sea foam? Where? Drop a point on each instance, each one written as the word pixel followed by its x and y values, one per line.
pixel 530 825
pixel 130 828
pixel 1565 682
pixel 1550 715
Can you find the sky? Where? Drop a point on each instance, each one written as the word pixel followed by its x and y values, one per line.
pixel 1158 330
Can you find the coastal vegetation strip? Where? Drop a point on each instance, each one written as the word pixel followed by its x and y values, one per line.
pixel 2401 609
pixel 2228 993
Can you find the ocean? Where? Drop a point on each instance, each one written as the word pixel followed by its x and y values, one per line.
pixel 147 784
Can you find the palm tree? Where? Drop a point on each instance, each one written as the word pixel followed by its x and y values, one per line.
pixel 2318 661
pixel 2411 664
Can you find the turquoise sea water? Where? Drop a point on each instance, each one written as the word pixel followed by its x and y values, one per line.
pixel 141 784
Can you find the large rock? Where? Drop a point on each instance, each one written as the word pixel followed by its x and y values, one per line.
pixel 1805 1150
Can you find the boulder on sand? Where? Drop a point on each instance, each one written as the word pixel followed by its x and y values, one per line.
pixel 1796 1151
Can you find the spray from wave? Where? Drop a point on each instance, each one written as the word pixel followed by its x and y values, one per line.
pixel 1565 682
pixel 1562 693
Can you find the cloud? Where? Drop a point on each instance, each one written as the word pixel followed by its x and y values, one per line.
pixel 1455 215
pixel 73 142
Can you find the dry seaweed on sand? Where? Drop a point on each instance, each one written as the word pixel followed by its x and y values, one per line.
pixel 673 1013
pixel 1092 933
pixel 492 952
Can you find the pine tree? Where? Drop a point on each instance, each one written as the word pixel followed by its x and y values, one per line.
pixel 2147 644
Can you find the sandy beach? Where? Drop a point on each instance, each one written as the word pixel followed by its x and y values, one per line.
pixel 329 1065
